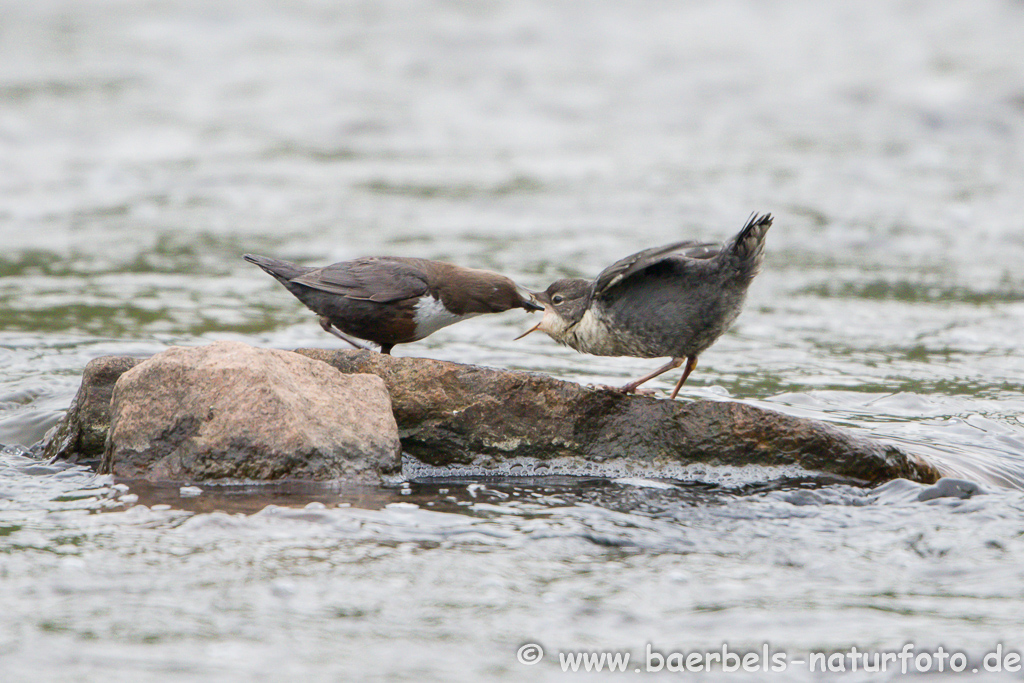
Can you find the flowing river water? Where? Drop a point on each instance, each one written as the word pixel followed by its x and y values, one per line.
pixel 144 146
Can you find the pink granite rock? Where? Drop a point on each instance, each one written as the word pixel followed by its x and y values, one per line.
pixel 229 411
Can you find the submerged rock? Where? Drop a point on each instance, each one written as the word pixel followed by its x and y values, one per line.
pixel 454 414
pixel 230 411
pixel 950 487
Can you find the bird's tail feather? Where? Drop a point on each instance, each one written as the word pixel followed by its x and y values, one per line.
pixel 747 248
pixel 282 270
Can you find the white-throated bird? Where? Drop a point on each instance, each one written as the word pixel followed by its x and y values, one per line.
pixel 391 300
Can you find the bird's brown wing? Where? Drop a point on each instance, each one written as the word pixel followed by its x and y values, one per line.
pixel 623 268
pixel 378 279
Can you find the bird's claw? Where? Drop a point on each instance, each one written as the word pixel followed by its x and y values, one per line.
pixel 624 390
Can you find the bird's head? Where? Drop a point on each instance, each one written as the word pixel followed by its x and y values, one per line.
pixel 565 302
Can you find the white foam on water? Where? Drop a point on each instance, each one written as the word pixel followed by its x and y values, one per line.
pixel 621 471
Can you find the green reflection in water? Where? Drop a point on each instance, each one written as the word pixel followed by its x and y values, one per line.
pixel 915 292
pixel 167 253
pixel 519 184
pixel 126 320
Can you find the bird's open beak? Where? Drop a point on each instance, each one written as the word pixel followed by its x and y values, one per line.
pixel 540 300
pixel 532 329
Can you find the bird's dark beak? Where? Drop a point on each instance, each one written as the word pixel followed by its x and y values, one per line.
pixel 541 297
pixel 528 300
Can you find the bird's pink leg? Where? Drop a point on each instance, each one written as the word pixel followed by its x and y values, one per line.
pixel 671 365
pixel 328 327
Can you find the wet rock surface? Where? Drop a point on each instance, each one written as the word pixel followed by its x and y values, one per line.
pixel 228 411
pixel 82 434
pixel 449 413
pixel 454 414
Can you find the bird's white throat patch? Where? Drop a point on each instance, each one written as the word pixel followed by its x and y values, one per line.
pixel 589 335
pixel 554 324
pixel 592 335
pixel 430 315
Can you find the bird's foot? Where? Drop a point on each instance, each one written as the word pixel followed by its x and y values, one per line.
pixel 624 390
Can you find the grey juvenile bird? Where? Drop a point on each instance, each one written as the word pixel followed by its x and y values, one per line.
pixel 391 300
pixel 674 300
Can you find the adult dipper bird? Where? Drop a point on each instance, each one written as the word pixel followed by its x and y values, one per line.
pixel 391 300
pixel 674 300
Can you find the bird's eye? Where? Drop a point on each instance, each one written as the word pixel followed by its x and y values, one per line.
pixel 557 299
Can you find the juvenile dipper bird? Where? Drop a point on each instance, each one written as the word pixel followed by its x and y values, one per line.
pixel 391 300
pixel 657 302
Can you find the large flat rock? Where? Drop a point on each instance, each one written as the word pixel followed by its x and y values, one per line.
pixel 455 414
pixel 449 413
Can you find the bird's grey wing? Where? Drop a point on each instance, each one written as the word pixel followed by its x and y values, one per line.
pixel 371 279
pixel 623 268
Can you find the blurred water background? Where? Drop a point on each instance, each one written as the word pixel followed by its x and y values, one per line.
pixel 145 145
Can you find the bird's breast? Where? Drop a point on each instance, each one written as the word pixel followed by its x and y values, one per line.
pixel 596 334
pixel 430 315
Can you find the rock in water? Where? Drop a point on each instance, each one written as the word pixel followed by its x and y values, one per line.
pixel 447 414
pixel 454 414
pixel 82 434
pixel 228 411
